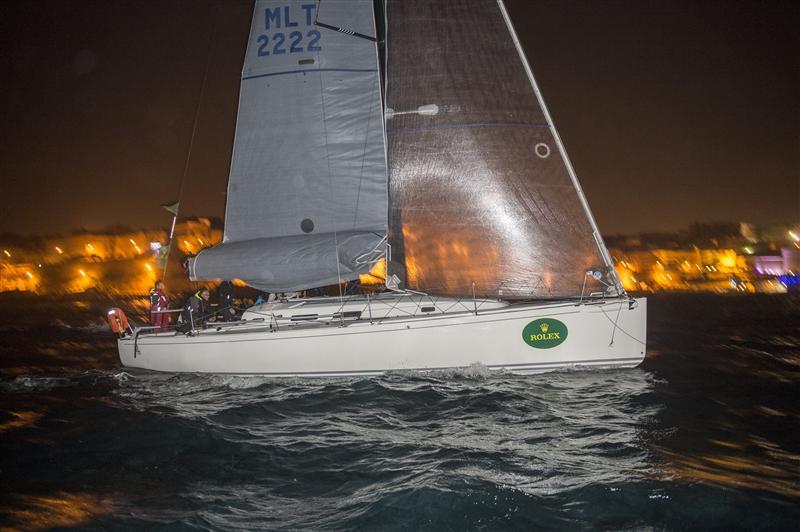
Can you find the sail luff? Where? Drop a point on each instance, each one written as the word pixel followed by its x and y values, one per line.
pixel 236 131
pixel 380 48
pixel 562 150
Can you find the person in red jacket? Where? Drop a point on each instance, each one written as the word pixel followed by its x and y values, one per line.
pixel 158 303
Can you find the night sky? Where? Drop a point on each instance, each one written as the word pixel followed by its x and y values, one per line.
pixel 671 111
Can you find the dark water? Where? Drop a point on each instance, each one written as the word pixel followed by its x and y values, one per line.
pixel 704 435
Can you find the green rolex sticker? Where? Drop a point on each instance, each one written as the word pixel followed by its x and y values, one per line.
pixel 544 333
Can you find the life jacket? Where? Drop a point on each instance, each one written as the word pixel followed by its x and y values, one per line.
pixel 154 297
pixel 117 321
pixel 196 304
pixel 158 300
pixel 192 312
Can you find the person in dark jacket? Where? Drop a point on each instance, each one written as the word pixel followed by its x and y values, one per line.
pixel 158 304
pixel 227 307
pixel 197 311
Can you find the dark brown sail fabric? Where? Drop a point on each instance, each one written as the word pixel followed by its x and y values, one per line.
pixel 479 193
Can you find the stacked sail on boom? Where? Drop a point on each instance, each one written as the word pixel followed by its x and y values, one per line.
pixel 482 198
pixel 307 194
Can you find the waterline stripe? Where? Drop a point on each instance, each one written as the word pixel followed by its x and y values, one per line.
pixel 493 367
pixel 309 70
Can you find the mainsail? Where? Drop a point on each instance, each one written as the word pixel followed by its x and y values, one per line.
pixel 482 198
pixel 307 194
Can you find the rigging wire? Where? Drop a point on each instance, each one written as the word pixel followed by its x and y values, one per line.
pixel 195 121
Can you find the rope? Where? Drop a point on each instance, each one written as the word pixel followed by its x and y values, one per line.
pixel 583 288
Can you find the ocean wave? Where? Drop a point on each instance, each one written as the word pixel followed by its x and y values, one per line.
pixel 703 432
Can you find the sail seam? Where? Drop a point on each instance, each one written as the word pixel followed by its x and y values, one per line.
pixel 469 126
pixel 309 70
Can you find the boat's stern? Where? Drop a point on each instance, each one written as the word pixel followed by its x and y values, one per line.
pixel 125 347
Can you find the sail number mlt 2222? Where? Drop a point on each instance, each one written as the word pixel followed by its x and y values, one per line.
pixel 288 41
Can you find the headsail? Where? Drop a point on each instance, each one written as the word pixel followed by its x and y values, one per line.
pixel 482 197
pixel 307 189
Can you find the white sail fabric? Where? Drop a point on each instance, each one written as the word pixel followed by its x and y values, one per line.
pixel 290 263
pixel 308 159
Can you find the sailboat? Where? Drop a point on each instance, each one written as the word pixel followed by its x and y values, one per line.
pixel 406 139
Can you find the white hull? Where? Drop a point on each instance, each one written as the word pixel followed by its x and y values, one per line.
pixel 434 341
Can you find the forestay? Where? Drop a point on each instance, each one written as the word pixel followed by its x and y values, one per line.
pixel 307 188
pixel 482 199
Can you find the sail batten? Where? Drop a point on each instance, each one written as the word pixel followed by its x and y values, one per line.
pixel 308 71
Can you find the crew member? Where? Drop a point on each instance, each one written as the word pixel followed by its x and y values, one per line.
pixel 197 310
pixel 158 304
pixel 227 308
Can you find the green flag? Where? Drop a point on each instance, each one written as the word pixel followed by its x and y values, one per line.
pixel 173 207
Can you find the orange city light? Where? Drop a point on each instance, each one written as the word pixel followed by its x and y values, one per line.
pixel 60 251
pixel 83 273
pixel 7 253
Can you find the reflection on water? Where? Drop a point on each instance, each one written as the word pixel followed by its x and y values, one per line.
pixel 704 434
pixel 729 392
pixel 60 509
pixel 18 420
pixel 767 473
